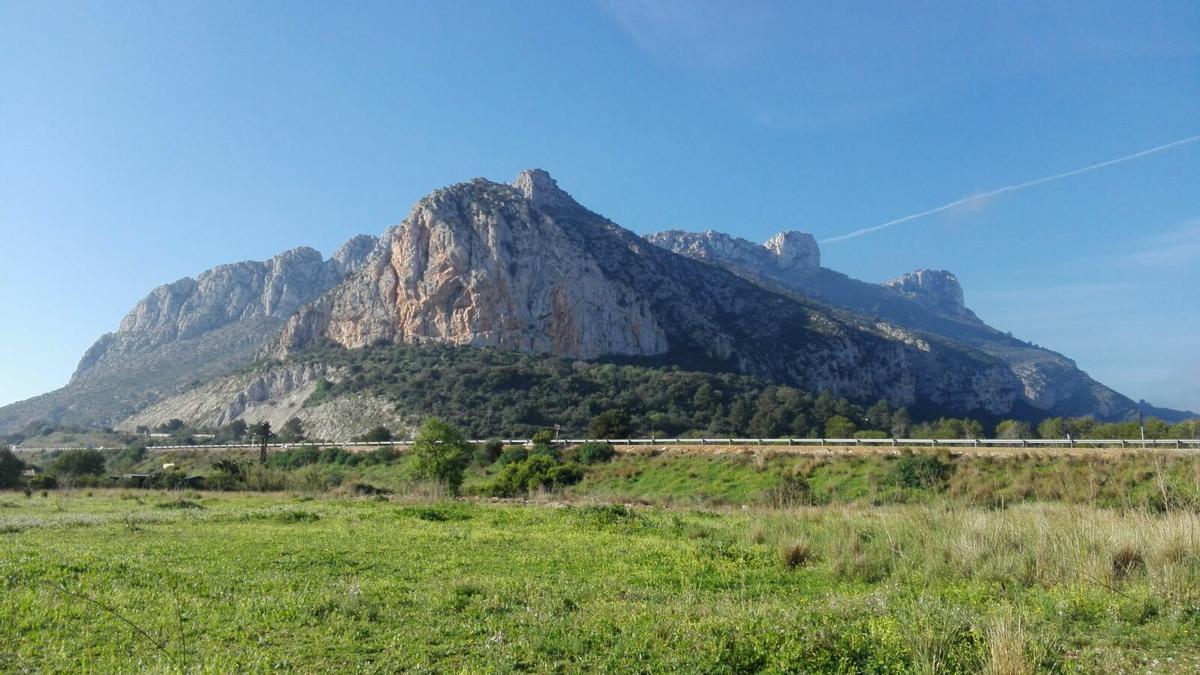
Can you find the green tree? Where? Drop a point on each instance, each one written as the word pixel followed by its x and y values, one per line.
pixel 261 432
pixel 879 416
pixel 292 431
pixel 839 427
pixel 10 468
pixel 237 429
pixel 441 454
pixel 78 463
pixel 1052 428
pixel 1186 429
pixel 1013 429
pixel 901 423
pixel 610 424
pixel 378 434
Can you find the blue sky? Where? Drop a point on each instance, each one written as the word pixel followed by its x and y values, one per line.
pixel 142 142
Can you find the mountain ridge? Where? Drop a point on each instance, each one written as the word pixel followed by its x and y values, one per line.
pixel 523 266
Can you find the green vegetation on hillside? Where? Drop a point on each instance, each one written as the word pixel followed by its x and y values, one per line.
pixel 490 392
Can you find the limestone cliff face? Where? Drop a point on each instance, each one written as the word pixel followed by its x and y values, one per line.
pixel 252 291
pixel 189 331
pixel 479 264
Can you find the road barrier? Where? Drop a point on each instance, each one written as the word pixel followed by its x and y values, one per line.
pixel 1177 443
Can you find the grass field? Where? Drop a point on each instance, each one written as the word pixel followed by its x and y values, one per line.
pixel 216 582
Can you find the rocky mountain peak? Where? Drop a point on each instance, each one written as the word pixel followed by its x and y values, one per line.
pixel 353 253
pixel 936 289
pixel 783 255
pixel 794 249
pixel 541 189
pixel 485 264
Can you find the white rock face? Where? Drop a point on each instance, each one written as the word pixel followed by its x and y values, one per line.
pixel 481 264
pixel 275 395
pixel 936 289
pixel 785 253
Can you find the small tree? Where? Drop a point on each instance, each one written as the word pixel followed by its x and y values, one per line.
pixel 10 468
pixel 379 434
pixel 292 431
pixel 839 427
pixel 237 429
pixel 901 423
pixel 262 433
pixel 1013 429
pixel 610 424
pixel 78 463
pixel 440 453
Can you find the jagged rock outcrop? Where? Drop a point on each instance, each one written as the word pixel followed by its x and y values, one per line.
pixel 525 267
pixel 929 302
pixel 938 290
pixel 189 331
pixel 785 255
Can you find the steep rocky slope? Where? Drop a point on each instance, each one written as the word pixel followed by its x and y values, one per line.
pixel 525 267
pixel 189 331
pixel 927 301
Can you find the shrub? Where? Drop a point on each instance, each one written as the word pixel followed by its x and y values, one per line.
pixel 78 463
pixel 610 424
pixel 512 454
pixel 294 458
pixel 10 468
pixel 919 471
pixel 594 453
pixel 129 456
pixel 489 452
pixel 43 482
pixel 379 434
pixel 796 553
pixel 1126 561
pixel 535 471
pixel 367 489
pixel 384 455
pixel 338 456
pixel 793 489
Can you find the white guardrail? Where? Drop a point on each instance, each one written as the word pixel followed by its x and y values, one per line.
pixel 1178 443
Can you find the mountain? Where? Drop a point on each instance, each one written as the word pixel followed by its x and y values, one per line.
pixel 929 302
pixel 188 331
pixel 525 267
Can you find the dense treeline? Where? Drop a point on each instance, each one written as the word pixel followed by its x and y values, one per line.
pixel 489 392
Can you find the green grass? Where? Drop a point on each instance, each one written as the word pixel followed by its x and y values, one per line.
pixel 242 582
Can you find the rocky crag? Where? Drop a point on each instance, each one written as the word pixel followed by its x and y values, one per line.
pixel 928 302
pixel 189 331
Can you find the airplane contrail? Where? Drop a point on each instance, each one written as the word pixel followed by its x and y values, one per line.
pixel 1011 188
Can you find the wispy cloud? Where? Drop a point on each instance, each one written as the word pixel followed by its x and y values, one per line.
pixel 967 201
pixel 1167 249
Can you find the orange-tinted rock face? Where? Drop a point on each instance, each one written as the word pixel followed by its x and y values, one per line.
pixel 479 264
